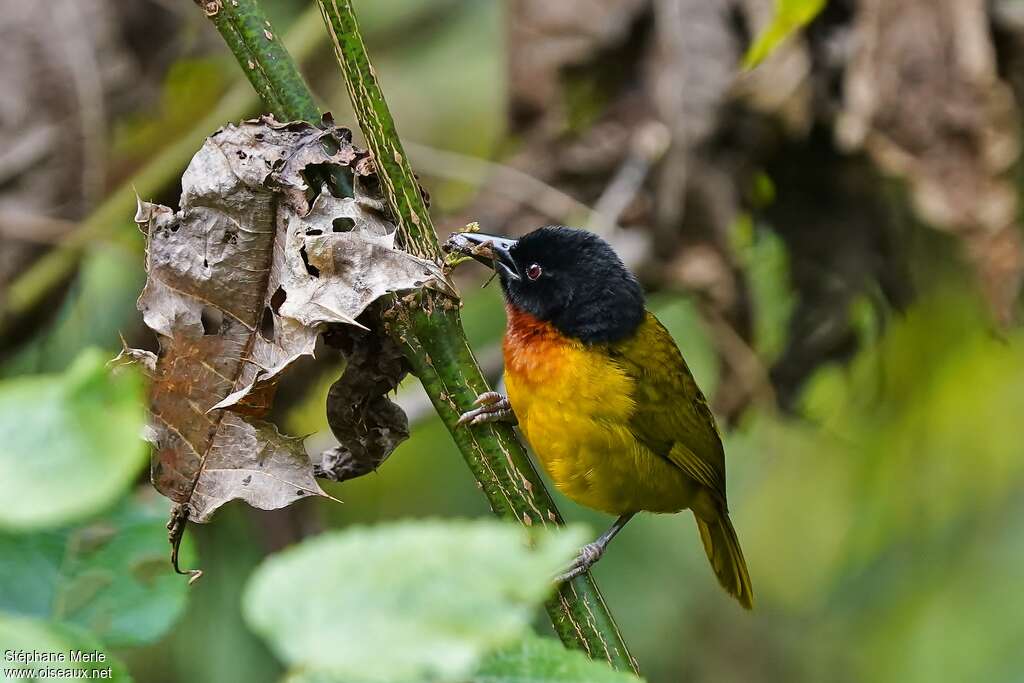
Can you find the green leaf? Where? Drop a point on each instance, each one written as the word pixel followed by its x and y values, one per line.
pixel 110 575
pixel 790 16
pixel 70 444
pixel 407 601
pixel 22 637
pixel 544 660
pixel 533 660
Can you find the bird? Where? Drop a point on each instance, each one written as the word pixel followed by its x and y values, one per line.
pixel 602 394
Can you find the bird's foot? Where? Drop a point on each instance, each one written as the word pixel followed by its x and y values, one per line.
pixel 588 557
pixel 490 407
pixel 592 552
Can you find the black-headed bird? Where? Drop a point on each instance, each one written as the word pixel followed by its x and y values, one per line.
pixel 603 395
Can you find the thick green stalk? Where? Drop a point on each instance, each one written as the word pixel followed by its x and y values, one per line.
pixel 263 57
pixel 431 334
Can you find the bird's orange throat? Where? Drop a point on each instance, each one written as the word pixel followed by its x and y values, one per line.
pixel 533 348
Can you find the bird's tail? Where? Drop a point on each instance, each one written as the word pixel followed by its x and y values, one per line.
pixel 726 557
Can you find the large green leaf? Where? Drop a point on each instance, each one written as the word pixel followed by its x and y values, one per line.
pixel 543 660
pixel 69 444
pixel 407 601
pixel 23 637
pixel 533 660
pixel 110 575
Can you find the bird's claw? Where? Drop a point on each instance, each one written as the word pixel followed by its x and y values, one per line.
pixel 587 558
pixel 490 407
pixel 488 398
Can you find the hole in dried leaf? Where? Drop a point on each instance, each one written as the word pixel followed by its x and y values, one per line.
pixel 342 224
pixel 277 300
pixel 267 324
pixel 314 231
pixel 370 185
pixel 213 319
pixel 329 145
pixel 310 268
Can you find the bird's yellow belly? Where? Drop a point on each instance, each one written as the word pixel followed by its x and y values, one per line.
pixel 574 406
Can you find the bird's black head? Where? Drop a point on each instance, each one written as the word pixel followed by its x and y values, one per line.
pixel 569 278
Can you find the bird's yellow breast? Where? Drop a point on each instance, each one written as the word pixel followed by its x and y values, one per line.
pixel 574 404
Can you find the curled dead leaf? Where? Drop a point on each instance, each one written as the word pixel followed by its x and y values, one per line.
pixel 241 281
pixel 367 424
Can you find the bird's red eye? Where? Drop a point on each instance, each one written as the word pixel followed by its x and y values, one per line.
pixel 534 271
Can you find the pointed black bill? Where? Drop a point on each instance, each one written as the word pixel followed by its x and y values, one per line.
pixel 494 252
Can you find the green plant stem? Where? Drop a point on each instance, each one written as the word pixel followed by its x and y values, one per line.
pixel 247 61
pixel 431 334
pixel 263 57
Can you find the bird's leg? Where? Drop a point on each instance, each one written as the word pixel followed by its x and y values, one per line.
pixel 490 407
pixel 592 552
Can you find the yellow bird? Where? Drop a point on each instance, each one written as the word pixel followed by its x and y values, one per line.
pixel 603 395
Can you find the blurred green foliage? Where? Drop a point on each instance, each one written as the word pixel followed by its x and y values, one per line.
pixel 188 89
pixel 99 584
pixel 28 635
pixel 108 575
pixel 69 444
pixel 99 303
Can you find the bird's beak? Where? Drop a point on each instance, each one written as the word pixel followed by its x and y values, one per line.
pixel 494 252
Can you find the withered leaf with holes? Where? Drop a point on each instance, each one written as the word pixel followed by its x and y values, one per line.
pixel 241 280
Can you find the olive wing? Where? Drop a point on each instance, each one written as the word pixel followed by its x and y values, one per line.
pixel 672 417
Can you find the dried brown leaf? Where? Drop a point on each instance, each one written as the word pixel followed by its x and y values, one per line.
pixel 241 281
